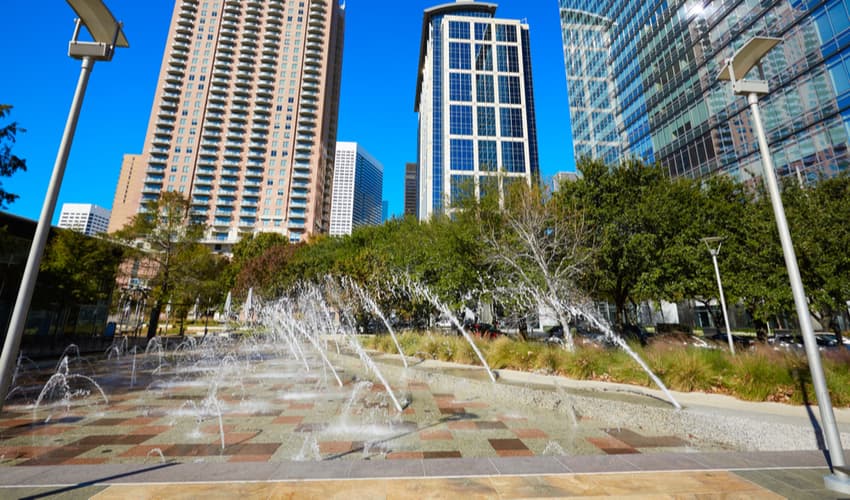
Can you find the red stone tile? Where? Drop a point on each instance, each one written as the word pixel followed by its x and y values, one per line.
pixel 435 435
pixel 215 429
pixel 23 452
pixel 335 446
pixel 404 455
pixel 635 440
pixel 142 450
pixel 192 450
pixel 16 422
pixel 507 444
pixel 151 429
pixel 233 438
pixel 288 420
pixel 611 446
pixel 408 411
pixel 464 425
pixel 441 454
pixel 141 420
pixel 301 406
pixel 451 410
pixel 515 453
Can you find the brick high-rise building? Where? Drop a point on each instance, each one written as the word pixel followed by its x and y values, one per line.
pixel 128 193
pixel 244 119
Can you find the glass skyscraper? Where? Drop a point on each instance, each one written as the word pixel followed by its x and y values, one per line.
pixel 477 131
pixel 642 81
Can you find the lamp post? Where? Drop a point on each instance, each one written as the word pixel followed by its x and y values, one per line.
pixel 107 34
pixel 734 70
pixel 713 243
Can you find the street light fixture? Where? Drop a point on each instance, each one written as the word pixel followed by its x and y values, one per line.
pixel 713 243
pixel 107 34
pixel 735 69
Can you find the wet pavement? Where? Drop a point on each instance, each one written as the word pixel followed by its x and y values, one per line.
pixel 267 428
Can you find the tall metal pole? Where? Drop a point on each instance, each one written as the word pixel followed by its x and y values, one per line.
pixel 714 253
pixel 838 480
pixel 22 303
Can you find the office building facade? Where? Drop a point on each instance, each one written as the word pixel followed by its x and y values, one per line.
pixel 245 115
pixel 358 185
pixel 474 96
pixel 642 82
pixel 84 217
pixel 411 189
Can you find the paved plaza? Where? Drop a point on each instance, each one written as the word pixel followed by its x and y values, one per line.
pixel 265 427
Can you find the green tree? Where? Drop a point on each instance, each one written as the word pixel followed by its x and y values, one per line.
pixel 9 163
pixel 199 277
pixel 818 217
pixel 619 209
pixel 166 234
pixel 268 273
pixel 250 247
pixel 81 270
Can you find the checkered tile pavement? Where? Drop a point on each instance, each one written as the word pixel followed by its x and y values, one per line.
pixel 273 410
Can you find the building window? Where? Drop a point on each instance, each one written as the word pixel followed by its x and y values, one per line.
pixel 505 33
pixel 487 159
pixel 484 88
pixel 487 121
pixel 508 59
pixel 460 118
pixel 462 154
pixel 509 90
pixel 513 157
pixel 459 57
pixel 462 188
pixel 460 87
pixel 483 32
pixel 511 122
pixel 483 57
pixel 459 30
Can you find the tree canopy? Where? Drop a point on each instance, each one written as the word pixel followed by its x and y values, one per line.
pixel 9 163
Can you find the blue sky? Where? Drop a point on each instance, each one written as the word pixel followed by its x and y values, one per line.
pixel 376 106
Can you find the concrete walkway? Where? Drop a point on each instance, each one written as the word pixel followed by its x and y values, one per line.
pixel 795 475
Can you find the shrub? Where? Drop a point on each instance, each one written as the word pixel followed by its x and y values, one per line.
pixel 762 375
pixel 551 359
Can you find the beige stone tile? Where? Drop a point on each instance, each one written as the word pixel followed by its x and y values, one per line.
pixel 185 491
pixel 321 490
pixel 528 487
pixel 652 482
pixel 450 488
pixel 576 485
